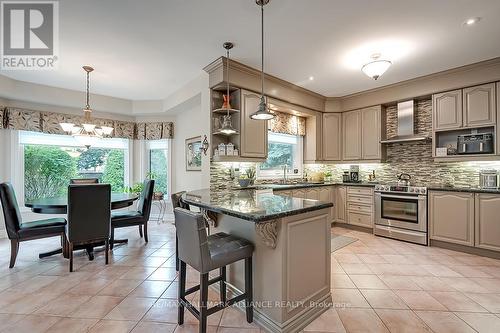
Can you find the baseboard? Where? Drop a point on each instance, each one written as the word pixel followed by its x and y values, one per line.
pixel 352 227
pixel 466 249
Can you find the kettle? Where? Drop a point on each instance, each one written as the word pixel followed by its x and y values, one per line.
pixel 404 179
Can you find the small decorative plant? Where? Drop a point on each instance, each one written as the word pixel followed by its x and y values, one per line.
pixel 250 173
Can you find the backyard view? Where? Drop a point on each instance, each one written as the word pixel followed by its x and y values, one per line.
pixel 48 169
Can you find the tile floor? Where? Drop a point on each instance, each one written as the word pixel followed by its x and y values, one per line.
pixel 378 285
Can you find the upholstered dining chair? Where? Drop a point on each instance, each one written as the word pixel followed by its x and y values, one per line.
pixel 19 231
pixel 84 181
pixel 139 217
pixel 177 202
pixel 89 216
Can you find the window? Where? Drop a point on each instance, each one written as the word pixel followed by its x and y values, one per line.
pixel 283 149
pixel 50 161
pixel 158 164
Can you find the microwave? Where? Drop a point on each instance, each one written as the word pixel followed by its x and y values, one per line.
pixel 475 144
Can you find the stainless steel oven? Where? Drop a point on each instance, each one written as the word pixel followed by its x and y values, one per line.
pixel 401 213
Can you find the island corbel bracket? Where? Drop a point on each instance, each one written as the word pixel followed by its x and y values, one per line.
pixel 210 217
pixel 268 232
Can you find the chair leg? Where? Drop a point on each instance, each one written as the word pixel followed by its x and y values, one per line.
pixel 70 249
pixel 112 238
pixel 14 249
pixel 248 289
pixel 140 230
pixel 106 242
pixel 176 254
pixel 146 231
pixel 181 292
pixel 223 297
pixel 203 302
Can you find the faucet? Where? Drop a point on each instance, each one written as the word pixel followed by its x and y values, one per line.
pixel 284 173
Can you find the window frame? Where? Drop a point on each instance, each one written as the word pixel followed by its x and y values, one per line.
pixel 298 157
pixel 163 144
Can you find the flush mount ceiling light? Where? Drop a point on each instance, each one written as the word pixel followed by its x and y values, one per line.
pixel 87 134
pixel 377 67
pixel 472 21
pixel 262 112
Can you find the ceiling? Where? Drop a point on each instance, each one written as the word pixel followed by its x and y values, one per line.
pixel 148 49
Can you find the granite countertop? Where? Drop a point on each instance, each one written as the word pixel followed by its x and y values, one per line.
pixel 451 188
pixel 283 187
pixel 252 205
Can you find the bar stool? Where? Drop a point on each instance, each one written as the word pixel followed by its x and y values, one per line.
pixel 206 253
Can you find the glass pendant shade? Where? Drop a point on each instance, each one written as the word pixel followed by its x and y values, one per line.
pixel 263 112
pixel 227 127
pixel 67 127
pixel 376 68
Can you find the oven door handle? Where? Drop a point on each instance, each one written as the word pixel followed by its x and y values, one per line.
pixel 383 195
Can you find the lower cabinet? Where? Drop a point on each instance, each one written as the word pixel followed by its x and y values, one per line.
pixel 487 221
pixel 360 206
pixel 451 217
pixel 341 204
pixel 322 193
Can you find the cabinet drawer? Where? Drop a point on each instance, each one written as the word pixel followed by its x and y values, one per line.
pixel 359 190
pixel 367 200
pixel 359 208
pixel 364 220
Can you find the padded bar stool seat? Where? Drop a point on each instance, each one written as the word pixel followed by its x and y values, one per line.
pixel 206 253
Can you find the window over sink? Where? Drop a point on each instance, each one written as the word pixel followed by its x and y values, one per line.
pixel 283 149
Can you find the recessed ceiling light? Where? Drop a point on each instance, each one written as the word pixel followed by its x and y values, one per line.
pixel 311 78
pixel 472 21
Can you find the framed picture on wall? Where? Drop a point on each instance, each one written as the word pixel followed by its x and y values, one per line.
pixel 193 154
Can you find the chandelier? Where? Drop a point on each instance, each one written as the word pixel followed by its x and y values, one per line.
pixel 88 134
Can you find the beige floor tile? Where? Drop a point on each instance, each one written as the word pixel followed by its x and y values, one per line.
pixel 73 325
pixel 444 322
pixel 138 273
pixel 341 281
pixel 164 310
pixel 347 258
pixel 238 330
pixel 356 268
pixel 492 285
pixel 131 308
pixel 63 305
pixel 90 287
pixel 113 326
pixel 441 270
pixel 489 301
pixel 151 327
pixel 361 320
pixel 465 285
pixel 329 321
pixel 28 303
pixel 456 301
pixel 232 317
pixel 151 289
pixel 402 321
pixel 367 282
pixel 481 322
pixel 32 324
pixel 470 271
pixel 33 284
pixel 420 300
pixel 396 282
pixel 431 283
pixel 372 259
pixel 193 328
pixel 97 307
pixel 395 258
pixel 171 291
pixel 164 274
pixel 120 288
pixel 349 298
pixel 383 299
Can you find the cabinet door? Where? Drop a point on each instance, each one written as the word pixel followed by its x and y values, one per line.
pixel 480 105
pixel 326 194
pixel 447 110
pixel 332 124
pixel 351 127
pixel 253 133
pixel 371 133
pixel 300 193
pixel 451 217
pixel 498 117
pixel 487 228
pixel 340 204
pixel 312 193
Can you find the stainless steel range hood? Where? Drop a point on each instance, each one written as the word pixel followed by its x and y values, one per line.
pixel 406 119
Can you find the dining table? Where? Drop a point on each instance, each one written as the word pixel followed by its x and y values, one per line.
pixel 59 205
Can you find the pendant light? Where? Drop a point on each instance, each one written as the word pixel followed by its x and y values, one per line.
pixel 377 67
pixel 262 112
pixel 227 125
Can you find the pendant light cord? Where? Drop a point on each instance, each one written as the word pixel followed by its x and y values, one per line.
pixel 262 45
pixel 88 88
pixel 227 78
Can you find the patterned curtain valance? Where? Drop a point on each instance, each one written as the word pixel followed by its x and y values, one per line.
pixel 2 111
pixel 48 122
pixel 286 123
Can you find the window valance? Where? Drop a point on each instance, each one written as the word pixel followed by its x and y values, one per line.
pixel 286 123
pixel 48 122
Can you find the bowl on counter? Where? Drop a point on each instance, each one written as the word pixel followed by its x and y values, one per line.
pixel 245 182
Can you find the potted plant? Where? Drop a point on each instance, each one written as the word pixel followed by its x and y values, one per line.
pixel 248 178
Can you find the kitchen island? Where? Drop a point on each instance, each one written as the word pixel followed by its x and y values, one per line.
pixel 291 262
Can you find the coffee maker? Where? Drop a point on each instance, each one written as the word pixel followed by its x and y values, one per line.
pixel 354 174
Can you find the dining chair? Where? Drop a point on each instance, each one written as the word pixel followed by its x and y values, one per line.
pixel 84 181
pixel 19 231
pixel 139 217
pixel 206 253
pixel 177 202
pixel 89 217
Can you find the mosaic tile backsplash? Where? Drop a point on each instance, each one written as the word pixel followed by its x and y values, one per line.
pixel 414 158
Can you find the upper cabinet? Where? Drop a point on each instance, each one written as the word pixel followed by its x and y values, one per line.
pixel 479 105
pixel 351 125
pixel 371 149
pixel 331 139
pixel 253 133
pixel 447 110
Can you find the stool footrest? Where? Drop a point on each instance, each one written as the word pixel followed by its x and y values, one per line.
pixel 189 306
pixel 197 287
